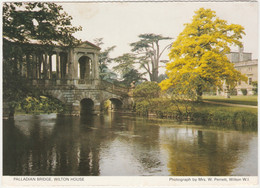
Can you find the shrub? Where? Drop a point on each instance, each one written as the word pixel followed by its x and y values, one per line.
pixel 245 120
pixel 142 108
pixel 244 91
pixel 242 120
pixel 255 87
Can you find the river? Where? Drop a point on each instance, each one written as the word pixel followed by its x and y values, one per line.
pixel 123 145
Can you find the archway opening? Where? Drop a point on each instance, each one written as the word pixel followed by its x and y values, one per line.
pixel 86 107
pixel 113 105
pixel 85 68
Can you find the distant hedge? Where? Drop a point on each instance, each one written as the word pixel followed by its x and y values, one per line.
pixel 240 120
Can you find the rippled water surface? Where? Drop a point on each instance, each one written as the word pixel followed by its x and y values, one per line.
pixel 121 144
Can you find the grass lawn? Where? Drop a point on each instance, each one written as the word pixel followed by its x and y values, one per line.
pixel 245 100
pixel 215 107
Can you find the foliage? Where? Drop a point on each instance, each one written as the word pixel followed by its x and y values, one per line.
pixel 24 23
pixel 106 105
pixel 125 63
pixel 132 76
pixel 244 91
pixel 199 54
pixel 125 66
pixel 104 59
pixel 146 91
pixel 142 108
pixel 41 104
pixel 45 22
pixel 106 74
pixel 149 53
pixel 239 120
pixel 255 87
pixel 162 77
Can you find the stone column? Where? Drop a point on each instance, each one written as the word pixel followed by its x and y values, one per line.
pixel 75 65
pixel 45 66
pixel 28 66
pixel 36 62
pixel 34 66
pixel 58 65
pixel 96 69
pixel 50 66
pixel 67 66
pixel 70 65
pixel 61 65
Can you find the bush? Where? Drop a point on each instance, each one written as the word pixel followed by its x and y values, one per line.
pixel 142 108
pixel 245 120
pixel 255 87
pixel 244 91
pixel 242 120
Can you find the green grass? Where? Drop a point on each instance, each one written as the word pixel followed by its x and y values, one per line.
pixel 218 107
pixel 238 118
pixel 244 100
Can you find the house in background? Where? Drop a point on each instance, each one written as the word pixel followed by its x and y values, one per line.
pixel 246 65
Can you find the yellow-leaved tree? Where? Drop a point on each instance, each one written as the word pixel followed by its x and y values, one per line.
pixel 198 56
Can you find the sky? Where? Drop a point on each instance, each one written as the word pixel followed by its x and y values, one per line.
pixel 120 23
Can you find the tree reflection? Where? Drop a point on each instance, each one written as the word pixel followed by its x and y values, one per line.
pixel 204 153
pixel 40 145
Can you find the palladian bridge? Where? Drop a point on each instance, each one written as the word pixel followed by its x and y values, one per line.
pixel 72 77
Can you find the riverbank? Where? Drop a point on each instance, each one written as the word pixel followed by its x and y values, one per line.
pixel 238 118
pixel 230 117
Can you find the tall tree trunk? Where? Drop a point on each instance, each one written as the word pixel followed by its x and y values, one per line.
pixel 199 92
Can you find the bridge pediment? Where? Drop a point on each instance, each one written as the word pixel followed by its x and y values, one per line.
pixel 88 45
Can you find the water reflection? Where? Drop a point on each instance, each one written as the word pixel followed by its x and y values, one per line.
pixel 201 153
pixel 117 144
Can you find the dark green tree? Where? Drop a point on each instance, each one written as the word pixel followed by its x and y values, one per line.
pixel 104 60
pixel 132 76
pixel 125 63
pixel 23 23
pixel 149 53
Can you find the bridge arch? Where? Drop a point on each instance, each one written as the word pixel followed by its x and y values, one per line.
pixel 85 67
pixel 86 106
pixel 113 104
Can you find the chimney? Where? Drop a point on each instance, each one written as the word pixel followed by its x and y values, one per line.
pixel 240 51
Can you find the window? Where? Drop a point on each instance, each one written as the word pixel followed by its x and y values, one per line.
pixel 250 81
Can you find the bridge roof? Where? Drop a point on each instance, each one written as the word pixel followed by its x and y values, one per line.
pixel 82 44
pixel 55 43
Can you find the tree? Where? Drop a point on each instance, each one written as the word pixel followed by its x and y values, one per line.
pixel 127 70
pixel 132 76
pixel 23 23
pixel 199 54
pixel 125 63
pixel 146 91
pixel 45 22
pixel 104 60
pixel 148 50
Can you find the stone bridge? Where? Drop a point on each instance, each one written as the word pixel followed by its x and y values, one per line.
pixel 80 98
pixel 71 75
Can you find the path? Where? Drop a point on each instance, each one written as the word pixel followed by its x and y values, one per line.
pixel 230 104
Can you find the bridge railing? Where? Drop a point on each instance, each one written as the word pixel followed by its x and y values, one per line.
pixel 110 87
pixel 113 88
pixel 57 82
